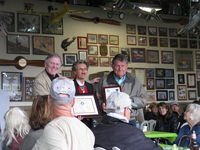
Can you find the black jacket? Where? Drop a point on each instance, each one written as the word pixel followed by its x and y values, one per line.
pixel 113 132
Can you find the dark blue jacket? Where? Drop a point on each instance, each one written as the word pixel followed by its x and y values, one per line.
pixel 113 132
pixel 186 130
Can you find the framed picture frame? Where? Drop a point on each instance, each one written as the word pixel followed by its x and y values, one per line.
pixel 109 90
pixel 173 43
pixel 68 74
pixel 82 42
pixel 163 42
pixel 130 29
pixel 191 80
pixel 160 83
pixel 152 56
pixel 150 72
pixel 167 57
pixel 43 45
pixel 69 59
pixel 153 41
pixel 181 92
pixel 173 32
pixel 131 40
pixel 93 61
pixel 198 88
pixel 92 38
pixel 162 95
pixel 150 83
pixel 152 31
pixel 83 55
pixel 92 49
pixel 142 41
pixel 171 95
pixel 18 44
pixel 114 50
pixel 126 52
pixel 12 83
pixel 183 43
pixel 160 72
pixel 169 73
pixel 28 23
pixel 85 106
pixel 181 79
pixel 10 25
pixel 113 39
pixel 104 61
pixel 28 88
pixel 192 94
pixel 193 44
pixel 138 54
pixel 102 39
pixel 142 30
pixel 162 31
pixel 198 74
pixel 151 95
pixel 51 28
pixel 169 84
pixel 184 60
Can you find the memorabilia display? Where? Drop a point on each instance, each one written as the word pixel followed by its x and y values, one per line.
pixel 184 60
pixel 162 31
pixel 83 55
pixel 152 56
pixel 138 54
pixel 68 74
pixel 152 31
pixel 102 39
pixel 114 50
pixel 161 95
pixel 130 29
pixel 167 57
pixel 82 42
pixel 69 59
pixel 151 95
pixel 142 41
pixel 104 61
pixel 131 40
pixel 113 39
pixel 191 80
pixel 171 96
pixel 150 84
pixel 181 79
pixel 192 94
pixel 142 30
pixel 10 25
pixel 28 88
pixel 92 49
pixel 153 41
pixel 181 92
pixel 92 38
pixel 93 61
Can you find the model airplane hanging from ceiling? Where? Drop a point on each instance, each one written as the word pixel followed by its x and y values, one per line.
pixel 57 15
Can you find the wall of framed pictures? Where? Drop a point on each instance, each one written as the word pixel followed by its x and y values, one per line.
pixel 155 47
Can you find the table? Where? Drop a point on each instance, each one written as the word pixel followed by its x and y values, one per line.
pixel 165 135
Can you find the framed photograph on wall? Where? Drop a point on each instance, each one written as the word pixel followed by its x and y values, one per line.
pixel 43 45
pixel 181 92
pixel 171 95
pixel 181 79
pixel 163 42
pixel 28 88
pixel 173 32
pixel 142 41
pixel 184 60
pixel 153 41
pixel 191 80
pixel 69 59
pixel 51 28
pixel 93 61
pixel 151 95
pixel 193 44
pixel 150 84
pixel 160 83
pixel 68 74
pixel 18 44
pixel 102 39
pixel 169 73
pixel 130 29
pixel 12 82
pixel 173 43
pixel 131 40
pixel 104 61
pixel 167 57
pixel 192 94
pixel 138 54
pixel 152 56
pixel 83 55
pixel 92 38
pixel 150 72
pixel 28 23
pixel 113 39
pixel 162 95
pixel 82 42
pixel 183 43
pixel 114 50
pixel 126 52
pixel 160 72
pixel 169 83
pixel 142 30
pixel 152 31
pixel 10 25
pixel 92 49
pixel 162 31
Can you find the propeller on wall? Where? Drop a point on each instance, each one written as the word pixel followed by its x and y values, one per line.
pixel 20 62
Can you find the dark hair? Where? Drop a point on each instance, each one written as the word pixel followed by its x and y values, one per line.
pixel 51 56
pixel 40 112
pixel 169 112
pixel 119 57
pixel 74 66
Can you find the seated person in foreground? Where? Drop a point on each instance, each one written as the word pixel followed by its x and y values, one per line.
pixel 16 127
pixel 39 117
pixel 152 112
pixel 192 116
pixel 65 132
pixel 115 129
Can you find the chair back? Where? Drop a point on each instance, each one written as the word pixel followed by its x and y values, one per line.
pixel 150 124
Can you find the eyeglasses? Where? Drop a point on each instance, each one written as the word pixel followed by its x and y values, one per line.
pixel 130 109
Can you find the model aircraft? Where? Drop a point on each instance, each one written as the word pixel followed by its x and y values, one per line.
pixel 57 15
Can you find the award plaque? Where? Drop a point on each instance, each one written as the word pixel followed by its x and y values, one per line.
pixel 109 90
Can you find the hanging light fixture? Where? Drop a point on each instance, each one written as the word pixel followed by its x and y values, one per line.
pixel 148 7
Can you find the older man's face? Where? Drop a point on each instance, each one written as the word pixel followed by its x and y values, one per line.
pixel 53 66
pixel 120 68
pixel 81 71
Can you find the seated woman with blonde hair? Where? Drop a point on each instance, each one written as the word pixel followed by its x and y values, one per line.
pixel 39 117
pixel 16 127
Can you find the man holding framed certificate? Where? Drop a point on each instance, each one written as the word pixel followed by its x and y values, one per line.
pixel 127 83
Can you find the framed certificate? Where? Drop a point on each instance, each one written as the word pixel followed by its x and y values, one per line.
pixel 109 90
pixel 86 106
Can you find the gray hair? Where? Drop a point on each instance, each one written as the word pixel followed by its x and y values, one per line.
pixel 119 57
pixel 194 109
pixel 16 123
pixel 51 56
pixel 75 64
